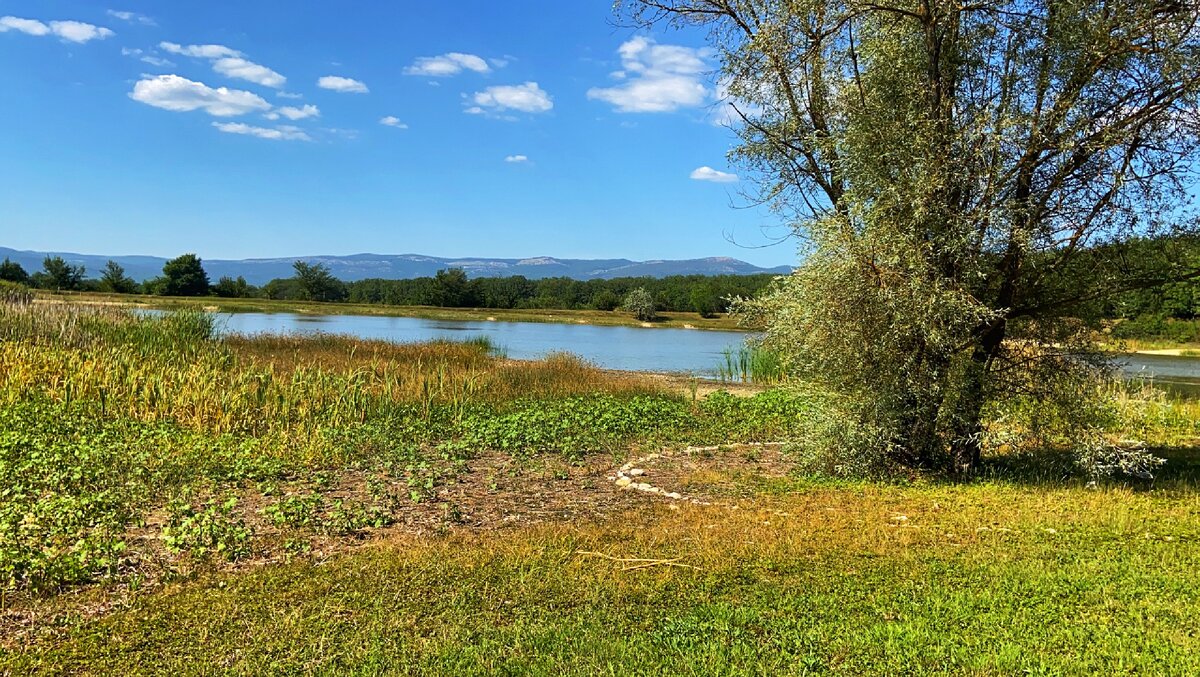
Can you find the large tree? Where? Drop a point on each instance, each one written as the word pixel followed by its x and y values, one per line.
pixel 183 276
pixel 965 177
pixel 59 275
pixel 316 283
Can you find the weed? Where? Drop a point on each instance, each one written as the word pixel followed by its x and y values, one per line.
pixel 209 529
pixel 295 511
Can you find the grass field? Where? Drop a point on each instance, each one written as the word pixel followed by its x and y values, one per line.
pixel 214 304
pixel 175 503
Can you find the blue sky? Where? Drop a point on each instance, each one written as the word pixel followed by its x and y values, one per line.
pixel 251 128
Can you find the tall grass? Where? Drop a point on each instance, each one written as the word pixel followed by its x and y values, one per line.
pixel 751 363
pixel 173 367
pixel 15 294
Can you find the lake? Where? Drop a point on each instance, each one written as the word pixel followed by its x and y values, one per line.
pixel 625 348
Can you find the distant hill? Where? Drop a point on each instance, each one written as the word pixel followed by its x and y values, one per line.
pixel 405 266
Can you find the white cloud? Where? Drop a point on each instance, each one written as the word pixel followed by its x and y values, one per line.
pixel 229 62
pixel 200 51
pixel 281 133
pixel 237 67
pixel 345 85
pixel 656 78
pixel 289 95
pixel 447 65
pixel 709 174
pixel 77 31
pixel 71 31
pixel 516 159
pixel 392 121
pixel 29 26
pixel 174 93
pixel 293 113
pixel 132 17
pixel 146 58
pixel 527 98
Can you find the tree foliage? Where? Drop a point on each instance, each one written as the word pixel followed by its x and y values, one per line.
pixel 57 274
pixel 641 303
pixel 965 177
pixel 114 279
pixel 183 276
pixel 11 271
pixel 673 293
pixel 230 288
pixel 315 282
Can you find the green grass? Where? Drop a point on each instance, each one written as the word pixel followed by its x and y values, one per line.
pixel 174 502
pixel 983 579
pixel 596 317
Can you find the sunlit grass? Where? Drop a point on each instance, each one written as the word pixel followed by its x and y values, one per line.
pixel 122 434
pixel 852 579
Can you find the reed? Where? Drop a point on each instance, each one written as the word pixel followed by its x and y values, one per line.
pixel 751 363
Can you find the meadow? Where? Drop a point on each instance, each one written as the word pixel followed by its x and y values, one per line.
pixel 175 501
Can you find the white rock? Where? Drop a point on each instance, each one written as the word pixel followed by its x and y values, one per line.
pixel 637 472
pixel 624 482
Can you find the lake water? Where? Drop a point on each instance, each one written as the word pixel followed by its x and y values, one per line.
pixel 626 348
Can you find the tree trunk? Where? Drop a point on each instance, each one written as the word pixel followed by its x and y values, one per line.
pixel 966 446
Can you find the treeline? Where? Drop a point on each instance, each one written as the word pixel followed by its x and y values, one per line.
pixel 182 276
pixel 1170 311
pixel 1154 310
pixel 185 276
pixel 706 295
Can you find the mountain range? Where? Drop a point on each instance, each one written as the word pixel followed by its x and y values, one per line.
pixel 405 266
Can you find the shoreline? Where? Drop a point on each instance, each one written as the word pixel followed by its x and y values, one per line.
pixel 671 320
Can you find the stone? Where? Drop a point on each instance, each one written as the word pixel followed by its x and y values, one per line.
pixel 637 472
pixel 624 482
